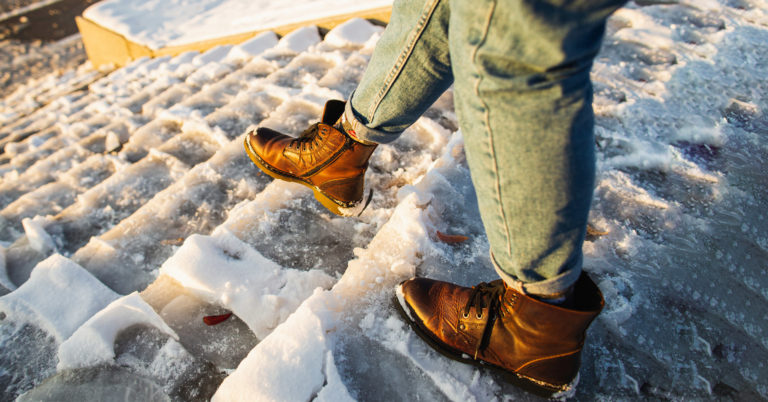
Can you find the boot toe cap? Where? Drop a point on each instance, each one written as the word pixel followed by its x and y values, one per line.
pixel 262 137
pixel 417 299
pixel 266 144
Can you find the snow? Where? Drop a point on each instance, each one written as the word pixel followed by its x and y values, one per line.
pixel 39 240
pixel 138 179
pixel 94 342
pixel 300 39
pixel 37 62
pixel 252 47
pixel 159 24
pixel 72 285
pixel 296 350
pixel 222 269
pixel 355 32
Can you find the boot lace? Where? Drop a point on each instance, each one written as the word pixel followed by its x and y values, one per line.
pixel 308 138
pixel 488 296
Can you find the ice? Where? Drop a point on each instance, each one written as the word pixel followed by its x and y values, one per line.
pixel 334 389
pixel 224 344
pixel 73 286
pixel 22 368
pixel 100 383
pixel 94 342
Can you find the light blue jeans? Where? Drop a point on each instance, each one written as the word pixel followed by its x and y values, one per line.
pixel 524 102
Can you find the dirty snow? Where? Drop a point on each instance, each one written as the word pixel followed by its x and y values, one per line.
pixel 131 192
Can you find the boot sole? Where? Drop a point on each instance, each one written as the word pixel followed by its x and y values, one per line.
pixel 532 385
pixel 335 206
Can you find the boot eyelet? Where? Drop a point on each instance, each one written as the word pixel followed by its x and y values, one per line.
pixel 465 315
pixel 462 327
pixel 479 315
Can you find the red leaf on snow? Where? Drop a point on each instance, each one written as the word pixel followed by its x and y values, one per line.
pixel 216 319
pixel 447 238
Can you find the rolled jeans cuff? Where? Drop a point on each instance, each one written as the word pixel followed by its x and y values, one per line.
pixel 552 286
pixel 357 130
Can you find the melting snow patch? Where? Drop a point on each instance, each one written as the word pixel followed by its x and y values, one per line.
pixel 59 296
pixel 334 390
pixel 222 269
pixel 38 238
pixel 290 364
pixel 94 342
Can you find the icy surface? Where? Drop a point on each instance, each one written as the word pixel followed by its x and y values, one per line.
pixel 158 23
pixel 139 180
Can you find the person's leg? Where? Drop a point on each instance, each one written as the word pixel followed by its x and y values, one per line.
pixel 523 98
pixel 409 69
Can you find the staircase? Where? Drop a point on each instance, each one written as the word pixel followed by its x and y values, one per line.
pixel 129 211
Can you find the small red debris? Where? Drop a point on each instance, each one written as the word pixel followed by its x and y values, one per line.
pixel 216 319
pixel 448 238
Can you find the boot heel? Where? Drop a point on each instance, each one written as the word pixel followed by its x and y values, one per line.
pixel 337 209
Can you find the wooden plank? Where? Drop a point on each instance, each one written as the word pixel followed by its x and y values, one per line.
pixel 104 46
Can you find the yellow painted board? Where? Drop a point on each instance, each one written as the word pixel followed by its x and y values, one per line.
pixel 104 46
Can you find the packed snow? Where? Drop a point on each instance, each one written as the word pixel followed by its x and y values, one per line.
pixel 159 23
pixel 130 215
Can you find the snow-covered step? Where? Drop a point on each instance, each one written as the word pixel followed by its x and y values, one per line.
pixel 41 172
pixel 68 131
pixel 28 98
pixel 40 147
pixel 95 211
pixel 220 274
pixel 406 243
pixel 680 124
pixel 196 203
pixel 52 198
pixel 47 115
pixel 110 138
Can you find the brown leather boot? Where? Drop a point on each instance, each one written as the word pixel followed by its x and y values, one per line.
pixel 322 158
pixel 491 323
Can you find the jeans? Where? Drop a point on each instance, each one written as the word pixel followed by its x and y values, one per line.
pixel 520 70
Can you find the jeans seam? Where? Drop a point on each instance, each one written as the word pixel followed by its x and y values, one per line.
pixel 421 25
pixel 486 121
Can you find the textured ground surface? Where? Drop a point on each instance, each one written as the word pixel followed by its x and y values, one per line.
pixel 136 181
